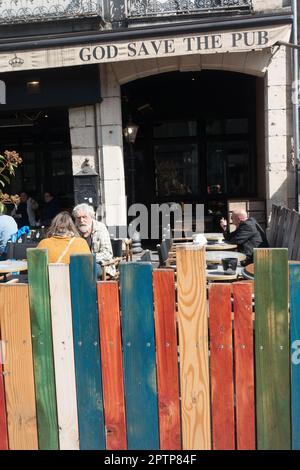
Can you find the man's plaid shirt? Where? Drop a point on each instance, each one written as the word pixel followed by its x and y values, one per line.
pixel 101 245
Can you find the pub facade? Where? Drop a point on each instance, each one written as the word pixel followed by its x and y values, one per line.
pixel 205 84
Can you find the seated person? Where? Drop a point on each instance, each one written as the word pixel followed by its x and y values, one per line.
pixel 8 227
pixel 96 235
pixel 247 236
pixel 62 240
pixel 50 209
pixel 25 211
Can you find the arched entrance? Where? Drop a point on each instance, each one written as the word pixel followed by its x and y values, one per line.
pixel 197 140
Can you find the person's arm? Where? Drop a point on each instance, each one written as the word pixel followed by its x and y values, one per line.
pixel 105 253
pixel 242 234
pixel 2 242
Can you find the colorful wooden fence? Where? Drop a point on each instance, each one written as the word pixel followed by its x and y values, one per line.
pixel 152 362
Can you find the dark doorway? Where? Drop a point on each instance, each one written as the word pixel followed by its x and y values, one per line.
pixel 196 140
pixel 42 138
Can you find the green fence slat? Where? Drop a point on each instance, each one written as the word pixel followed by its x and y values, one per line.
pixel 272 355
pixel 40 315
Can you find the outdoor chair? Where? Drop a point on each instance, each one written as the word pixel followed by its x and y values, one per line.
pixel 19 250
pixel 165 261
pixel 118 256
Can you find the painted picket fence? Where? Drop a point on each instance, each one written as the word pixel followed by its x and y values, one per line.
pixel 151 362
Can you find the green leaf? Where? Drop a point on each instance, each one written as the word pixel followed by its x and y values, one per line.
pixel 6 178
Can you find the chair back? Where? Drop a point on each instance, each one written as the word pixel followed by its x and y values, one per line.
pixel 116 245
pixel 163 253
pixel 19 250
pixel 146 256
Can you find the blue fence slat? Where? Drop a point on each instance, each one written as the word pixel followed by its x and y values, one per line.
pixel 139 355
pixel 295 352
pixel 87 352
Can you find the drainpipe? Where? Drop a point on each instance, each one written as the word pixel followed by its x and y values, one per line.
pixel 296 100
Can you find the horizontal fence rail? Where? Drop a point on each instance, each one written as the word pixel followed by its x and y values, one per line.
pixel 148 8
pixel 154 361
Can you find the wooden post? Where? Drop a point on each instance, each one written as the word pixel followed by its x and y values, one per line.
pixel 139 355
pixel 87 352
pixel 112 365
pixel 42 348
pixel 193 346
pixel 167 359
pixel 272 352
pixel 18 368
pixel 63 350
pixel 295 352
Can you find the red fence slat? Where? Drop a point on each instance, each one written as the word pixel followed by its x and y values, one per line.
pixel 167 360
pixel 221 367
pixel 244 366
pixel 112 365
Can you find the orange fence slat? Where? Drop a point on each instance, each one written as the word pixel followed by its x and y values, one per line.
pixel 244 366
pixel 112 365
pixel 221 356
pixel 167 360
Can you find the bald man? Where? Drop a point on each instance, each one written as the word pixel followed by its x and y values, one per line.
pixel 247 236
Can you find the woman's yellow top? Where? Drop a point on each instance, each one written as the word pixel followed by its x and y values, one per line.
pixel 60 248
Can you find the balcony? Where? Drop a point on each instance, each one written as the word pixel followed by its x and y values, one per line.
pixel 156 8
pixel 28 11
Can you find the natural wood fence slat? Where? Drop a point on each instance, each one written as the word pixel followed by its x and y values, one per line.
pixel 87 352
pixel 112 365
pixel 42 349
pixel 272 349
pixel 3 418
pixel 62 331
pixel 193 346
pixel 139 355
pixel 221 364
pixel 167 360
pixel 244 366
pixel 295 352
pixel 18 368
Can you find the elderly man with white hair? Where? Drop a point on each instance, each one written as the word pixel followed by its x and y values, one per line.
pixel 96 235
pixel 247 236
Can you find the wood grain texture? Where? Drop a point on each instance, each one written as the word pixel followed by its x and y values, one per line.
pixel 18 368
pixel 295 352
pixel 193 346
pixel 139 355
pixel 167 360
pixel 221 364
pixel 3 419
pixel 63 351
pixel 41 330
pixel 112 365
pixel 244 366
pixel 272 349
pixel 87 352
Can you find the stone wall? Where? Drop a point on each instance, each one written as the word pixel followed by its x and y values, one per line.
pixel 270 5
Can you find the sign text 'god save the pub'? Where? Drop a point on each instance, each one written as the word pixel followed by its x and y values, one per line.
pixel 207 43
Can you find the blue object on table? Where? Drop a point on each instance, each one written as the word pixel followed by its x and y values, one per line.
pixel 23 230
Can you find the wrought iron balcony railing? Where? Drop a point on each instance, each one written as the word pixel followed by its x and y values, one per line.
pixel 27 11
pixel 152 8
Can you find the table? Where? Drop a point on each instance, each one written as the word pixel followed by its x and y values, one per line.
pixel 220 246
pixel 248 271
pixel 218 274
pixel 213 236
pixel 217 256
pixel 12 266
